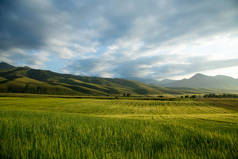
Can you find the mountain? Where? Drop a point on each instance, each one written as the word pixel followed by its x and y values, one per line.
pixel 5 66
pixel 203 81
pixel 28 80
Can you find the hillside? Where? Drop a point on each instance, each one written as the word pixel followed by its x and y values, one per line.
pixel 5 66
pixel 28 80
pixel 203 81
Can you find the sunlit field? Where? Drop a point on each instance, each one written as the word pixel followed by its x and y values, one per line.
pixel 119 128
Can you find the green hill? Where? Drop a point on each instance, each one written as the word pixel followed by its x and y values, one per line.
pixel 28 80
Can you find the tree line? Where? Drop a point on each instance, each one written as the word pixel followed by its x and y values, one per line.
pixel 212 95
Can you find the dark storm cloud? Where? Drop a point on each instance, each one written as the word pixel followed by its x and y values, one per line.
pixel 74 29
pixel 26 24
pixel 21 25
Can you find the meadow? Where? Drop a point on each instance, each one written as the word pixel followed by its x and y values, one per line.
pixel 50 127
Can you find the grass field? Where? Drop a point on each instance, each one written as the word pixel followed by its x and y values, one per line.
pixel 102 128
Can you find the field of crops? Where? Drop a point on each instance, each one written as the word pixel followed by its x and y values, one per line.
pixel 101 128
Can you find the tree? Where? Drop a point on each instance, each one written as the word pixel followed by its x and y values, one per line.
pixel 126 94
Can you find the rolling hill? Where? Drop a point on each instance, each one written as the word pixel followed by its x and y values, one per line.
pixel 28 80
pixel 203 81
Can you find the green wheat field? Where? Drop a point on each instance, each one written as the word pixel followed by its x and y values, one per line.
pixel 121 128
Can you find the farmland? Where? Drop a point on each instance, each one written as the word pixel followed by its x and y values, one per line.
pixel 121 128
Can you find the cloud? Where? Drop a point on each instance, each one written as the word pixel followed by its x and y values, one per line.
pixel 21 26
pixel 127 38
pixel 157 67
pixel 197 64
pixel 19 57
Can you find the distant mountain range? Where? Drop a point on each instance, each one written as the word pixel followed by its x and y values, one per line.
pixel 202 81
pixel 27 80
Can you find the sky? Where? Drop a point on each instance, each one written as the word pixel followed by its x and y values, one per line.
pixel 146 39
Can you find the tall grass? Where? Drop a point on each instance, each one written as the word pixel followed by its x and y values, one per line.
pixel 31 129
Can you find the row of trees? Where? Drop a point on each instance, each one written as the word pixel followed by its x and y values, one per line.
pixel 212 95
pixel 192 96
